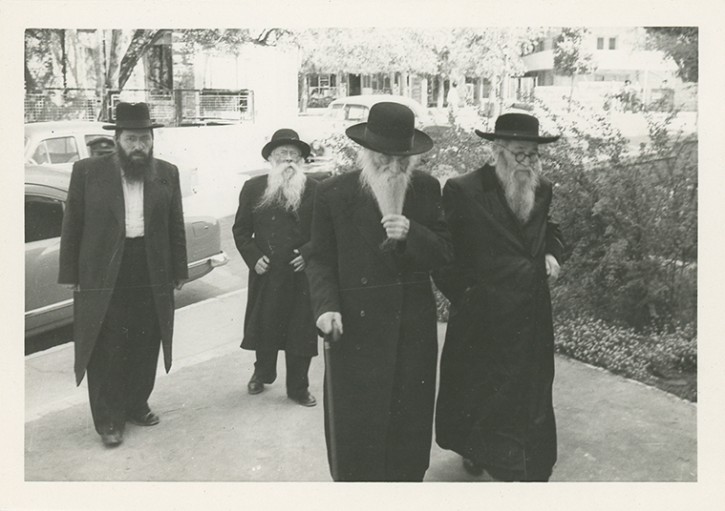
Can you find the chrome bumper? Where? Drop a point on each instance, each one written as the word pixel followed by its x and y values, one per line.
pixel 214 261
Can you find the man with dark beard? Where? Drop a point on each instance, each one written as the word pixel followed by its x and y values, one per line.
pixel 497 367
pixel 376 235
pixel 272 233
pixel 123 250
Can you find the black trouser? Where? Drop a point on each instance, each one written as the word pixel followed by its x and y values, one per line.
pixel 265 368
pixel 122 368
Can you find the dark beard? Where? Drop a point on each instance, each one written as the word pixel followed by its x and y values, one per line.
pixel 133 169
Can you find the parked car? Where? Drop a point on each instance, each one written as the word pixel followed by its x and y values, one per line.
pixel 349 110
pixel 49 305
pixel 58 144
pixel 327 131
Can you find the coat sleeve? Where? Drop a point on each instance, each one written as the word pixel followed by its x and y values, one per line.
pixel 428 245
pixel 306 248
pixel 177 231
pixel 555 244
pixel 322 269
pixel 243 228
pixel 72 230
pixel 453 279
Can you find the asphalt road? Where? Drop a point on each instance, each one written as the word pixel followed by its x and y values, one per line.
pixel 230 277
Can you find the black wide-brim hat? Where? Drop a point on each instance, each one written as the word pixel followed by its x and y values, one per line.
pixel 285 136
pixel 522 127
pixel 390 129
pixel 132 116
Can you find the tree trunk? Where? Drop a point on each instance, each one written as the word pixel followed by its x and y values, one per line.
pixel 30 83
pixel 63 58
pixel 304 88
pixel 338 86
pixel 441 91
pixel 141 41
pixel 571 93
pixel 404 84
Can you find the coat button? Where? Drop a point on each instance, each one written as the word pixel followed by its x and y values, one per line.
pixel 362 314
pixel 363 281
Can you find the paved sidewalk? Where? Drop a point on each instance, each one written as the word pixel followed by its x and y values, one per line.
pixel 610 429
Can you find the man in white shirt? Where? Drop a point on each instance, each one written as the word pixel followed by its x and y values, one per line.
pixel 123 250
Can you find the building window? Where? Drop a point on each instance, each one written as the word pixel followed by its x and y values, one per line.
pixel 612 43
pixel 600 43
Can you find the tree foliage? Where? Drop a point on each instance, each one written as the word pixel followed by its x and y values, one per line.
pixel 231 40
pixel 365 50
pixel 571 55
pixel 681 44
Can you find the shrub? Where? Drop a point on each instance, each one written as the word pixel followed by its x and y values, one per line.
pixel 643 356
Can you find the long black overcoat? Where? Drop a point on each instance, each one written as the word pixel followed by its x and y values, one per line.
pixel 279 315
pixel 497 366
pixel 384 367
pixel 92 241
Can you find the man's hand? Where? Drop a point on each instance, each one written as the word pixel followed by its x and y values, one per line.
pixel 396 226
pixel 72 287
pixel 180 283
pixel 552 268
pixel 298 263
pixel 329 320
pixel 262 265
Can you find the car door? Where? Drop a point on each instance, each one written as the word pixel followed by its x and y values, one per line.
pixel 47 304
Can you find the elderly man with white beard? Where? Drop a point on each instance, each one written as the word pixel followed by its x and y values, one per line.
pixel 376 235
pixel 497 367
pixel 272 233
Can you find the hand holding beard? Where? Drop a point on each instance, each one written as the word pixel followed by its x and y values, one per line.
pixel 396 227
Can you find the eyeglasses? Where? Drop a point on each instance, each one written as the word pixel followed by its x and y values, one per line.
pixel 521 156
pixel 282 152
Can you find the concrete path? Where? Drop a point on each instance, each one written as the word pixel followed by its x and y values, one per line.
pixel 610 428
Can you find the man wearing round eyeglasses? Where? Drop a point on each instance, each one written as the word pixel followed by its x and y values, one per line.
pixel 272 233
pixel 497 367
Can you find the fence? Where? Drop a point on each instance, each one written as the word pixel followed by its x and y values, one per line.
pixel 176 107
pixel 62 104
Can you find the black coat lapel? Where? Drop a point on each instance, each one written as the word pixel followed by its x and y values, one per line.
pixel 535 229
pixel 366 217
pixel 115 191
pixel 153 188
pixel 484 191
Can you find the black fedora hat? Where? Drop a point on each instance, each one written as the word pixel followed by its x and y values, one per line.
pixel 517 127
pixel 132 116
pixel 390 129
pixel 285 136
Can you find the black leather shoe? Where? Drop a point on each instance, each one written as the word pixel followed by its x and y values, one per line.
pixel 111 436
pixel 472 468
pixel 255 385
pixel 144 419
pixel 304 399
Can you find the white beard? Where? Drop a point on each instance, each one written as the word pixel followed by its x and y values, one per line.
pixel 284 187
pixel 519 188
pixel 387 182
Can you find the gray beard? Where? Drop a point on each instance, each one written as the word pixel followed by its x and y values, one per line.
pixel 386 183
pixel 519 192
pixel 282 191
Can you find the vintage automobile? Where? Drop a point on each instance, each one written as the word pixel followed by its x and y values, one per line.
pixel 327 131
pixel 58 144
pixel 349 110
pixel 49 305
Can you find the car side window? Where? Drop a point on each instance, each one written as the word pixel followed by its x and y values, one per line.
pixel 40 156
pixel 357 113
pixel 43 218
pixel 61 150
